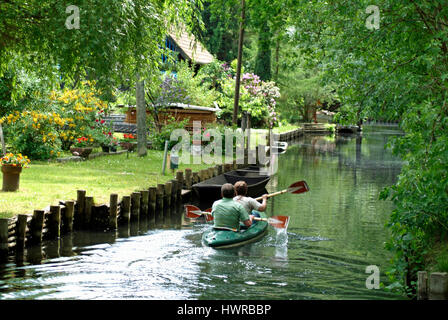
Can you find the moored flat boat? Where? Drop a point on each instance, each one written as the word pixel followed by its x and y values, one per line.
pixel 210 189
pixel 225 239
pixel 251 177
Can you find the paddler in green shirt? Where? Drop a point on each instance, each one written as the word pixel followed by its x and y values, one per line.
pixel 227 214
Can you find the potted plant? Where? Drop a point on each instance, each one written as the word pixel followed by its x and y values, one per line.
pixel 113 144
pixel 129 141
pixel 81 147
pixel 104 141
pixel 109 143
pixel 12 165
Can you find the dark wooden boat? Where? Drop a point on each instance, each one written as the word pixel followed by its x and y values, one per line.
pixel 250 176
pixel 210 189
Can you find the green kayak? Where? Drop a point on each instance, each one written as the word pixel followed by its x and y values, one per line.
pixel 223 239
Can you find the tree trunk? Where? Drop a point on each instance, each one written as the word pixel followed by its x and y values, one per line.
pixel 263 59
pixel 141 118
pixel 277 58
pixel 238 68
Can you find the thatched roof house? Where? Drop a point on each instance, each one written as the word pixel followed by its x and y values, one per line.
pixel 189 48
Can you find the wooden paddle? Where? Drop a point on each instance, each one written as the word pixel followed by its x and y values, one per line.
pixel 295 188
pixel 193 212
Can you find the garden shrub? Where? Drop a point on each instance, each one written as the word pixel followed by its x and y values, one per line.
pixel 256 97
pixel 157 138
pixel 65 116
pixel 33 133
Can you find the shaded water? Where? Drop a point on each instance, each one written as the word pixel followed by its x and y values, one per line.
pixel 336 231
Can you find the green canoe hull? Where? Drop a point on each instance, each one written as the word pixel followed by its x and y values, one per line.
pixel 224 239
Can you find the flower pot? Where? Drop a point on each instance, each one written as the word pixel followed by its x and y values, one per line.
pixel 11 177
pixel 128 145
pixel 113 149
pixel 82 152
pixel 105 148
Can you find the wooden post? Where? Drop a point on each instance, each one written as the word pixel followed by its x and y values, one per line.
pixel 168 190
pixel 188 178
pixel 202 175
pixel 180 178
pixel 165 155
pixel 113 213
pixel 4 237
pixel 195 178
pixel 180 183
pixel 37 224
pixel 54 222
pixel 125 210
pixel 88 212
pixel 80 208
pixel 144 202
pixel 167 203
pixel 261 155
pixel 152 205
pixel 21 226
pixel 218 170
pixel 159 203
pixel 67 217
pixel 422 285
pixel 174 190
pixel 438 286
pixel 135 206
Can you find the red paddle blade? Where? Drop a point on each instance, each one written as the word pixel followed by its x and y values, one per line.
pixel 279 222
pixel 298 187
pixel 209 217
pixel 192 212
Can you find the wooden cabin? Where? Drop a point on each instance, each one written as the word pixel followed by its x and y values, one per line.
pixel 188 48
pixel 179 111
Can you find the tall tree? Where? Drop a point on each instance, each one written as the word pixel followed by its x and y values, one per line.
pixel 263 58
pixel 239 63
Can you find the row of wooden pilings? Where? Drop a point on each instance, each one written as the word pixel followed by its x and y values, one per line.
pixel 289 135
pixel 432 287
pixel 158 205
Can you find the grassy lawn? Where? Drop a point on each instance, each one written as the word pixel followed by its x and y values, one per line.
pixel 286 128
pixel 44 183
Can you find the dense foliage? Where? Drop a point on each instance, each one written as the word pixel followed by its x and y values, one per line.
pixel 396 71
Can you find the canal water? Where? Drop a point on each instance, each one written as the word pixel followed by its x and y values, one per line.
pixel 336 231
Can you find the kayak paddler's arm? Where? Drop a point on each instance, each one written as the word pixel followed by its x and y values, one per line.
pixel 264 203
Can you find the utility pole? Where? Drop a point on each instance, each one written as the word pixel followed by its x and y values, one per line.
pixel 238 68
